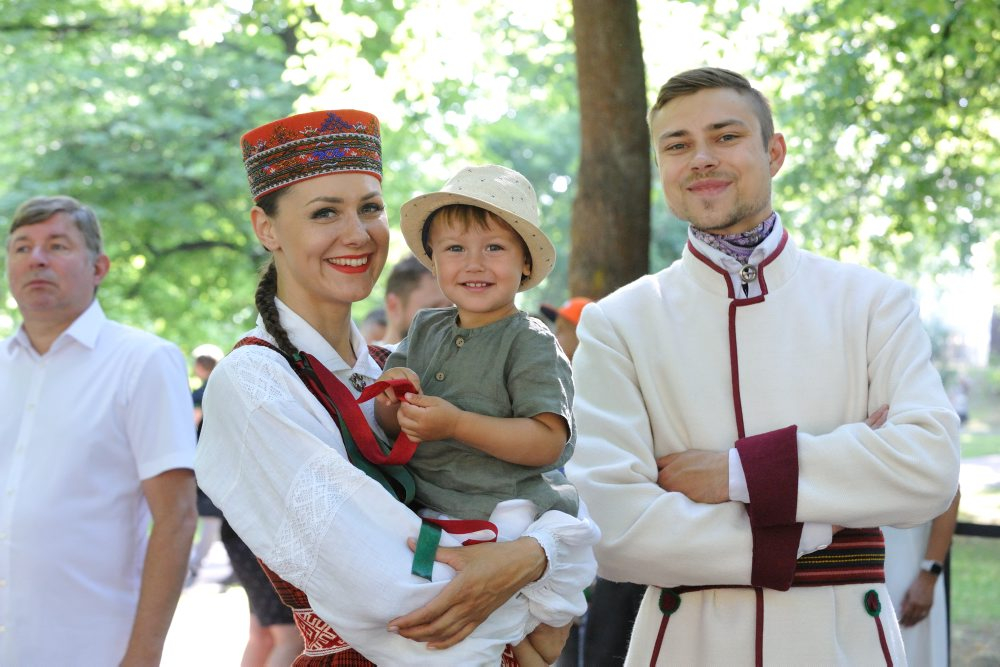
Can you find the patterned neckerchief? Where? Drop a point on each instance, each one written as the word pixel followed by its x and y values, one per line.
pixel 738 246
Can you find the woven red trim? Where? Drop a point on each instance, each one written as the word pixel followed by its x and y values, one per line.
pixel 507 658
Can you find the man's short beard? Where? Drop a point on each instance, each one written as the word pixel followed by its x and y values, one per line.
pixel 738 215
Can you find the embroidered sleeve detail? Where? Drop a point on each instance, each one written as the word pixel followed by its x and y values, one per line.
pixel 259 377
pixel 318 492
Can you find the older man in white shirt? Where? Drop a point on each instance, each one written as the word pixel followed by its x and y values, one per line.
pixel 95 440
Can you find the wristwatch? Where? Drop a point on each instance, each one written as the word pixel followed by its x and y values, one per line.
pixel 932 566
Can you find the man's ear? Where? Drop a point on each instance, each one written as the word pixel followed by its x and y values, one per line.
pixel 101 266
pixel 393 304
pixel 264 229
pixel 776 151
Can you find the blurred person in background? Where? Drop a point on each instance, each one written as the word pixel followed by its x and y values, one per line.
pixel 410 287
pixel 206 356
pixel 96 454
pixel 914 574
pixel 373 325
pixel 565 318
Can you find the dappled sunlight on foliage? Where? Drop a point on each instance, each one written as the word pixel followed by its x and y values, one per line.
pixel 137 107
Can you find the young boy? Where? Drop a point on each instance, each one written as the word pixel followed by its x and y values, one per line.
pixel 493 416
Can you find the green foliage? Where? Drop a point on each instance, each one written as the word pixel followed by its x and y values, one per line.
pixel 489 84
pixel 890 111
pixel 975 567
pixel 979 444
pixel 137 112
pixel 136 107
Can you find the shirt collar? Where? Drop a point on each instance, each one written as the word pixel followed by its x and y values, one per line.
pixel 84 330
pixel 307 339
pixel 731 264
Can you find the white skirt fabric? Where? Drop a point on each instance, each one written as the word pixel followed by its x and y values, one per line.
pixel 927 641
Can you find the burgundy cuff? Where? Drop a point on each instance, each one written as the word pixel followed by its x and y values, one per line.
pixel 775 551
pixel 771 466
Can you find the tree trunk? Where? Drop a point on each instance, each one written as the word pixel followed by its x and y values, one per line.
pixel 610 224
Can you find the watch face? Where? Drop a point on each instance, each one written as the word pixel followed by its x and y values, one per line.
pixel 935 568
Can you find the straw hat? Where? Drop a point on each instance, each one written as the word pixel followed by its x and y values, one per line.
pixel 501 191
pixel 312 144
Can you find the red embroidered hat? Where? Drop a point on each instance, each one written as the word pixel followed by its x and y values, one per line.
pixel 311 144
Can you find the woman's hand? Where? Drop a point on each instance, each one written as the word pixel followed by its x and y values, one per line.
pixel 918 600
pixel 488 575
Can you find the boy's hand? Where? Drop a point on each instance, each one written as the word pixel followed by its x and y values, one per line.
pixel 424 417
pixel 388 397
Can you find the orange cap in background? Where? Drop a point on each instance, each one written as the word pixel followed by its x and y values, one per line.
pixel 570 310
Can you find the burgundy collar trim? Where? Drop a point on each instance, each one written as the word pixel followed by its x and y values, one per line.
pixel 760 269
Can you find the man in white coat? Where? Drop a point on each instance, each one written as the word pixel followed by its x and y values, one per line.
pixel 721 406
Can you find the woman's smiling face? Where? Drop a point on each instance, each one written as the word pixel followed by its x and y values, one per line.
pixel 329 236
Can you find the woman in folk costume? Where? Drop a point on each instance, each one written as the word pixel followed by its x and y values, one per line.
pixel 285 448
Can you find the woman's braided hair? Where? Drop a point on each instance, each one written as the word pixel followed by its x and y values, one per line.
pixel 267 287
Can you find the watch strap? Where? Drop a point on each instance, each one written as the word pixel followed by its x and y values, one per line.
pixel 932 566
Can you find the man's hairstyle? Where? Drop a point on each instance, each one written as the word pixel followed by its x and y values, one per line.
pixel 376 315
pixel 206 362
pixel 39 209
pixel 405 277
pixel 706 78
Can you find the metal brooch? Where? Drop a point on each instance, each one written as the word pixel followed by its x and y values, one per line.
pixel 358 381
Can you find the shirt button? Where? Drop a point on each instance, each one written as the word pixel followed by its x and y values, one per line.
pixel 459 341
pixel 748 273
pixel 439 376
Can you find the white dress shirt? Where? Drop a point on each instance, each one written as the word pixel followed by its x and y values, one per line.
pixel 105 408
